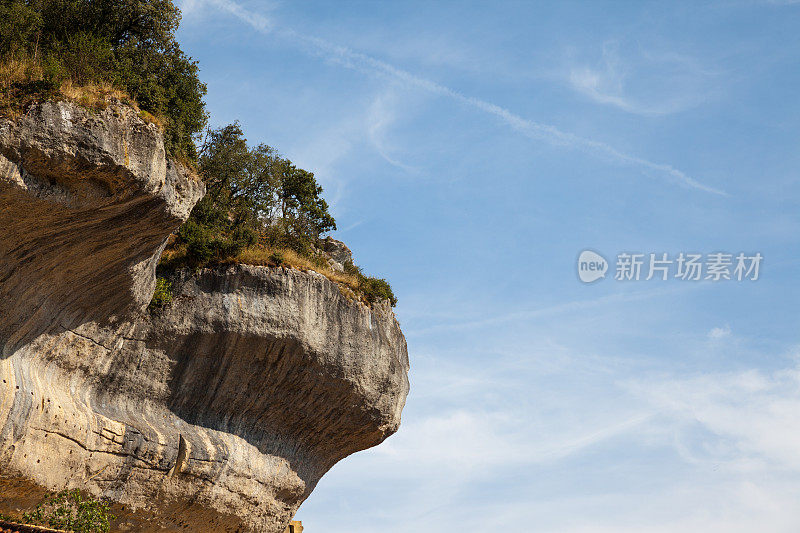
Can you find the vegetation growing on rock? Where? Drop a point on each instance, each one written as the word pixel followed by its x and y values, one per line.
pixel 69 510
pixel 162 295
pixel 261 209
pixel 130 45
pixel 253 194
pixel 259 204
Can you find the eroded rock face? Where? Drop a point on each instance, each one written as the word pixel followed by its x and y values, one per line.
pixel 87 200
pixel 218 413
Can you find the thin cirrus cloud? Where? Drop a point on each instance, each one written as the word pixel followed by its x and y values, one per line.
pixel 540 312
pixel 380 117
pixel 595 85
pixel 642 82
pixel 537 131
pixel 751 411
pixel 736 429
pixel 719 332
pixel 471 443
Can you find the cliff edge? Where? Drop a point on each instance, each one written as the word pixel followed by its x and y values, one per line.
pixel 220 412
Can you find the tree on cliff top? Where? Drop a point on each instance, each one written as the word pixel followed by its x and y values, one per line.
pixel 252 194
pixel 127 43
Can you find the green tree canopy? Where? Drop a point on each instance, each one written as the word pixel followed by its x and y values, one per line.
pixel 252 193
pixel 129 43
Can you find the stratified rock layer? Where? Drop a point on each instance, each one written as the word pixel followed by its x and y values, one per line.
pixel 218 413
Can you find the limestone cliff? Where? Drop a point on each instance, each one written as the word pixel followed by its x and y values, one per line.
pixel 218 413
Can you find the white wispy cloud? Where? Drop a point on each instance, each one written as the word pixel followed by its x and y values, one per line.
pixel 750 415
pixel 381 116
pixel 734 466
pixel 352 59
pixel 471 442
pixel 254 19
pixel 667 82
pixel 531 129
pixel 719 332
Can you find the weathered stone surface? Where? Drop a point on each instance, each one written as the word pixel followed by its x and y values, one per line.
pixel 338 253
pixel 87 200
pixel 218 413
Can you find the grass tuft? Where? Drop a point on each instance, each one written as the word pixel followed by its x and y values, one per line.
pixel 261 255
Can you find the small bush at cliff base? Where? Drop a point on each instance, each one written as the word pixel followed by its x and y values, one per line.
pixel 71 511
pixel 162 295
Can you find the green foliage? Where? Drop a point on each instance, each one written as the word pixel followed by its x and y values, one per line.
pixel 19 24
pixel 162 295
pixel 82 57
pixel 252 192
pixel 71 511
pixel 129 43
pixel 373 289
pixel 294 204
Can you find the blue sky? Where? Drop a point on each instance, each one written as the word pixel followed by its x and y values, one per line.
pixel 470 152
